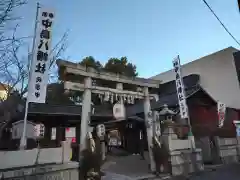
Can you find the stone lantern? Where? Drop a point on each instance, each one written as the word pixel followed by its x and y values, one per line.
pixel 167 132
pixel 167 114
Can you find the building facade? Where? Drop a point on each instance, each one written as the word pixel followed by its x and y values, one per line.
pixel 3 91
pixel 218 75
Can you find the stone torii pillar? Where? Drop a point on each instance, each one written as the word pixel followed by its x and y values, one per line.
pixel 86 112
pixel 149 126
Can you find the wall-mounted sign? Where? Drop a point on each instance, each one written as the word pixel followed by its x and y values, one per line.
pixel 180 89
pixel 70 132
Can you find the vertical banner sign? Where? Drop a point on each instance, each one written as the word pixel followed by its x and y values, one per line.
pixel 180 89
pixel 40 61
pixel 221 113
pixel 237 125
pixel 238 130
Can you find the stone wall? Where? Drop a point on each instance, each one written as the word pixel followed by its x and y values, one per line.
pixel 66 171
pixel 227 149
pixel 183 159
pixel 204 144
pixel 186 161
pixel 10 159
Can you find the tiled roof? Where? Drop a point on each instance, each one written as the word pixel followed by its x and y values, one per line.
pixel 168 95
pixel 73 110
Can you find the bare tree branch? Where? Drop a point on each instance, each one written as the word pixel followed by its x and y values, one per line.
pixel 15 61
pixel 6 9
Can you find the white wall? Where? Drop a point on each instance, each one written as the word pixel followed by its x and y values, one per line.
pixel 218 76
pixel 10 159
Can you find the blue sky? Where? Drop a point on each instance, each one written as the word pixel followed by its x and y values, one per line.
pixel 149 32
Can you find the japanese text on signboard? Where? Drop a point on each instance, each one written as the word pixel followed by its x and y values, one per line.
pixel 180 89
pixel 40 62
pixel 221 113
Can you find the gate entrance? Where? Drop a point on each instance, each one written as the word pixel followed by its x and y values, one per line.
pixel 110 89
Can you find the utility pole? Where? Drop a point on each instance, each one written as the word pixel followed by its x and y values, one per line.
pixel 23 141
pixel 239 5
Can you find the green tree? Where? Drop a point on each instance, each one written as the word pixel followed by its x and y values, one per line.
pixel 91 62
pixel 121 66
pixel 114 65
pixel 56 94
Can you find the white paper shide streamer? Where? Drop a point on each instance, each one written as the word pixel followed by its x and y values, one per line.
pixel 114 97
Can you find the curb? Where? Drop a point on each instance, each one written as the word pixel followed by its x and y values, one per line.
pixel 154 177
pixel 210 168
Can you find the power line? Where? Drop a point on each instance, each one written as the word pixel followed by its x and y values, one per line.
pixel 226 29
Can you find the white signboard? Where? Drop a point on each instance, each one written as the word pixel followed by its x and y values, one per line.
pixel 41 61
pixel 53 133
pixel 70 132
pixel 180 89
pixel 221 113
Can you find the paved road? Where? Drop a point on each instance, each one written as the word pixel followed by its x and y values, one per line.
pixel 132 168
pixel 114 176
pixel 230 172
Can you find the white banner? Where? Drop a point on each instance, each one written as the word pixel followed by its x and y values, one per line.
pixel 180 89
pixel 221 113
pixel 40 62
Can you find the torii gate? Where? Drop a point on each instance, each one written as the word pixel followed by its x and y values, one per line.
pixel 89 75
